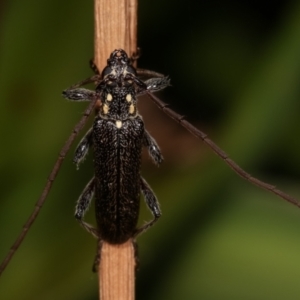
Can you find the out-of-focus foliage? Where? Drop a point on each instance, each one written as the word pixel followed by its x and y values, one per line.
pixel 235 70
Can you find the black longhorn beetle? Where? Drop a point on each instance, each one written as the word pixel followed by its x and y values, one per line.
pixel 117 137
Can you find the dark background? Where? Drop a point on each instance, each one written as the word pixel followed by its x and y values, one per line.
pixel 235 71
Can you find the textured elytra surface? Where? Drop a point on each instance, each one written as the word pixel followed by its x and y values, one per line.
pixel 117 177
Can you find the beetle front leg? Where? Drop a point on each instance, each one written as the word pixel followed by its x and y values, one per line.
pixel 154 85
pixel 79 94
pixel 82 206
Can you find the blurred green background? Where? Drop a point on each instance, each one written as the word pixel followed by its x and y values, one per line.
pixel 235 68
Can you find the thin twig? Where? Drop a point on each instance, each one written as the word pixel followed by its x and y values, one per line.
pixel 115 27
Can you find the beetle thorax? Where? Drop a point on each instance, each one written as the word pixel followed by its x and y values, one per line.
pixel 118 103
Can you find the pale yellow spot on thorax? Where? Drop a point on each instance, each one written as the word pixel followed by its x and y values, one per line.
pixel 109 97
pixel 119 124
pixel 105 109
pixel 128 97
pixel 131 109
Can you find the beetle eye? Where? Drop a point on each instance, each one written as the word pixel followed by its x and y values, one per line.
pixel 106 71
pixel 131 70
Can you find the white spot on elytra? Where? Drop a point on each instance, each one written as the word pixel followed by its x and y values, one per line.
pixel 131 109
pixel 105 109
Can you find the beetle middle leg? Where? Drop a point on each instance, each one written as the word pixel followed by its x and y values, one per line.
pixel 152 203
pixel 153 148
pixel 83 148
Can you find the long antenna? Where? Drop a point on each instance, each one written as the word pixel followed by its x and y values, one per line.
pixel 233 165
pixel 47 187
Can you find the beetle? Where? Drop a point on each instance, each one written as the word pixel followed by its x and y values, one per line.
pixel 117 138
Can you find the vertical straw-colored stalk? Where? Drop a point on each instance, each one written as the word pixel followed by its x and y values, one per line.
pixel 115 27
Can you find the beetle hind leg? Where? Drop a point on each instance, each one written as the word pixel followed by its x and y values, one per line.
pixel 152 204
pixel 82 206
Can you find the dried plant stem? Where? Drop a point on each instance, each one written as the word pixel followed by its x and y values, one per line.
pixel 117 271
pixel 115 27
